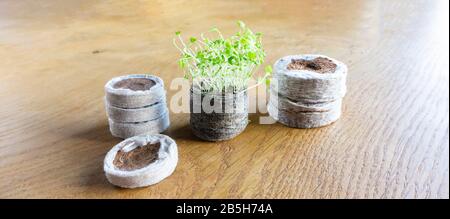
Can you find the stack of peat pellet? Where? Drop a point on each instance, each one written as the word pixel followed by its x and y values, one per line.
pixel 307 90
pixel 135 105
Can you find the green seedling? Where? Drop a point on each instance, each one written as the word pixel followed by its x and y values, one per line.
pixel 220 64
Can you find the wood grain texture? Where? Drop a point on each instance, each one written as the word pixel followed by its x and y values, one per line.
pixel 391 142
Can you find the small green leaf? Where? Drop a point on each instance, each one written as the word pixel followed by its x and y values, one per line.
pixel 267 82
pixel 193 39
pixel 178 33
pixel 214 29
pixel 251 55
pixel 181 63
pixel 268 69
pixel 241 24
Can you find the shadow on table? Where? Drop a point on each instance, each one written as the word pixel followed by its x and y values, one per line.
pixel 182 132
pixel 89 144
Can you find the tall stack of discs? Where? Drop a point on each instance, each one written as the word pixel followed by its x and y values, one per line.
pixel 307 90
pixel 135 105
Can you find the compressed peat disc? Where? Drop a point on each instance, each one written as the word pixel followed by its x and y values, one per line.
pixel 129 129
pixel 285 104
pixel 141 161
pixel 304 119
pixel 142 114
pixel 310 78
pixel 134 91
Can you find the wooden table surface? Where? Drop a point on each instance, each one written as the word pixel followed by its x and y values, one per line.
pixel 391 142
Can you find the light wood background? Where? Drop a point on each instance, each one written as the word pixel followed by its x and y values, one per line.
pixel 391 142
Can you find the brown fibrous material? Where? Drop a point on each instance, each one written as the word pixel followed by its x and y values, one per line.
pixel 319 65
pixel 137 158
pixel 135 84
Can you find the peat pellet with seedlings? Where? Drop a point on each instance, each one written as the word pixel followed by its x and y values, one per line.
pixel 218 117
pixel 221 68
pixel 134 91
pixel 141 161
pixel 129 129
pixel 310 78
pixel 145 113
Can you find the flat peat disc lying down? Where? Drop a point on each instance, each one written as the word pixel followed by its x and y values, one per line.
pixel 134 91
pixel 141 161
